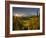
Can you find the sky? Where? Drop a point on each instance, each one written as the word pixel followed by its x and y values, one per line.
pixel 21 11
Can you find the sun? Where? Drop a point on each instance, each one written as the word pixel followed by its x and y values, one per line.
pixel 19 15
pixel 16 14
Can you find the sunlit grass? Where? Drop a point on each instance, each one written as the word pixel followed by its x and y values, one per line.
pixel 26 23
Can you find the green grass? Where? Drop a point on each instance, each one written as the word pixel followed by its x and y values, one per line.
pixel 26 23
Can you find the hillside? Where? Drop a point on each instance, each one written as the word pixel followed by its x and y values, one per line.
pixel 26 23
